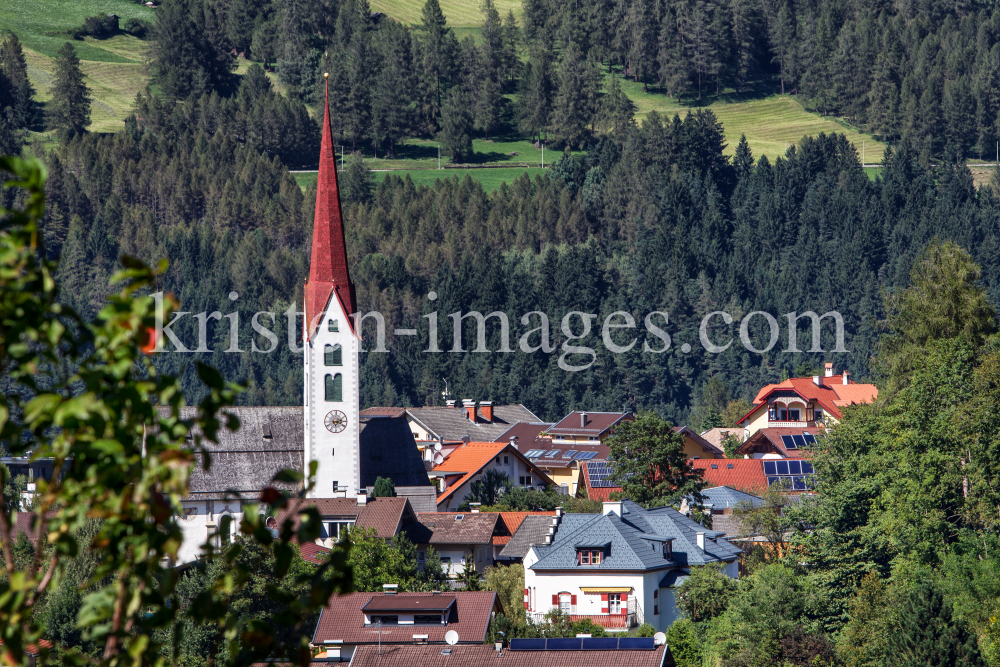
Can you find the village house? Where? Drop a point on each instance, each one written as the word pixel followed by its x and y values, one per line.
pixel 469 462
pixel 355 620
pixel 620 568
pixel 805 403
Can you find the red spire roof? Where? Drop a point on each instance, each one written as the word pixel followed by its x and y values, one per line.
pixel 328 274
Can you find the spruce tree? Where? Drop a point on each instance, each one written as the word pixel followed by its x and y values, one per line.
pixel 189 53
pixel 69 110
pixel 929 636
pixel 15 88
pixel 456 126
pixel 574 106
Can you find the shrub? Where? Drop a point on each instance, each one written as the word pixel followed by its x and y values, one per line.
pixel 137 27
pixel 100 26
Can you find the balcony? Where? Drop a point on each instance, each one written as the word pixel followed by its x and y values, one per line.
pixel 771 423
pixel 607 621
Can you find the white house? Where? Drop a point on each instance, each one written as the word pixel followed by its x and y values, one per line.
pixel 620 568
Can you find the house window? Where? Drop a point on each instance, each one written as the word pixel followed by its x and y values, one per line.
pixel 668 552
pixel 421 556
pixel 614 603
pixel 526 480
pixel 479 555
pixel 793 414
pixel 337 529
pixel 565 603
pixel 656 602
pixel 333 355
pixel 425 619
pixel 818 414
pixel 505 460
pixel 589 556
pixel 334 387
pixel 498 460
pixel 385 620
pixel 332 326
pixel 446 560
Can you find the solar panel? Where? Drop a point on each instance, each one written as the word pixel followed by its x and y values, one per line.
pixel 794 467
pixel 563 644
pixel 807 468
pixel 637 643
pixel 585 456
pixel 782 467
pixel 800 483
pixel 769 468
pixel 600 643
pixel 552 454
pixel 773 480
pixel 799 441
pixel 527 644
pixel 534 453
pixel 788 442
pixel 809 438
pixel 569 453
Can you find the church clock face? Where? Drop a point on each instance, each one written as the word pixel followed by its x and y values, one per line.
pixel 335 421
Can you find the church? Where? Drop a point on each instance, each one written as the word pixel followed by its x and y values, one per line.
pixel 350 451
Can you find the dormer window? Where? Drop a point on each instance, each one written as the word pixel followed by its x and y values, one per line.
pixel 332 326
pixel 589 556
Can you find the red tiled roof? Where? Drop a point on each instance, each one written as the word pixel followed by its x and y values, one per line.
pixel 740 474
pixel 597 423
pixel 470 458
pixel 382 514
pixel 601 493
pixel 481 655
pixel 35 649
pixel 831 395
pixel 342 619
pixel 472 528
pixel 772 437
pixel 513 519
pixel 501 539
pixel 313 553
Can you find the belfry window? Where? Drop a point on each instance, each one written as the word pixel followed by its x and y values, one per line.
pixel 333 355
pixel 334 387
pixel 332 326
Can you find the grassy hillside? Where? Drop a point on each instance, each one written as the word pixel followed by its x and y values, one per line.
pixel 114 67
pixel 460 13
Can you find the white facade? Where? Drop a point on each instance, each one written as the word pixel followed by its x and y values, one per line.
pixel 332 419
pixel 640 592
pixel 507 461
pixel 203 518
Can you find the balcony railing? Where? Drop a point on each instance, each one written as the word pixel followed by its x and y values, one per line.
pixel 608 621
pixel 790 424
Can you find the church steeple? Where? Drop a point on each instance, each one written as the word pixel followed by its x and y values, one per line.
pixel 328 272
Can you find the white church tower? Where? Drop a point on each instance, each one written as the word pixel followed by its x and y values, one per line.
pixel 332 346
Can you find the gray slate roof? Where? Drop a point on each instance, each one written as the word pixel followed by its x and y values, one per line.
pixel 532 530
pixel 271 439
pixel 452 424
pixel 632 539
pixel 725 497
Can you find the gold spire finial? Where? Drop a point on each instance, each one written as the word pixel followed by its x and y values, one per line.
pixel 326 75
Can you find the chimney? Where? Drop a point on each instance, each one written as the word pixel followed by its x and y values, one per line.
pixel 613 506
pixel 486 407
pixel 390 589
pixel 583 420
pixel 498 646
pixel 700 539
pixel 470 409
pixel 513 442
pixel 817 380
pixel 450 403
pixel 362 498
pixel 559 512
pixel 846 379
pixel 474 507
pixel 829 369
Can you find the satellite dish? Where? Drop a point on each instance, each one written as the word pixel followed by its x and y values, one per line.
pixel 437 446
pixel 659 639
pixel 452 637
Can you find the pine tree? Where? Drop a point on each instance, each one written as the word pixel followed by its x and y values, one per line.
pixel 574 106
pixel 14 83
pixel 69 110
pixel 929 636
pixel 617 110
pixel 189 55
pixel 743 162
pixel 883 99
pixel 438 50
pixel 782 34
pixel 456 126
pixel 673 64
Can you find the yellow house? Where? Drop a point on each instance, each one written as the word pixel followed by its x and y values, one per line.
pixel 805 402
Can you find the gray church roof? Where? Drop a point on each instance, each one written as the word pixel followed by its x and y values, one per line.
pixel 271 439
pixel 633 541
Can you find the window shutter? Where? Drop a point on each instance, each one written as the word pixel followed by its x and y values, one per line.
pixel 525 604
pixel 604 597
pixel 572 600
pixel 525 591
pixel 555 600
pixel 604 610
pixel 624 606
pixel 338 387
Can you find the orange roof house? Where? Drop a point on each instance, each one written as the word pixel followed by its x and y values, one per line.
pixel 468 463
pixel 805 402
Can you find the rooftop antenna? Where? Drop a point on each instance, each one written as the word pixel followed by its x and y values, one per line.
pixel 445 393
